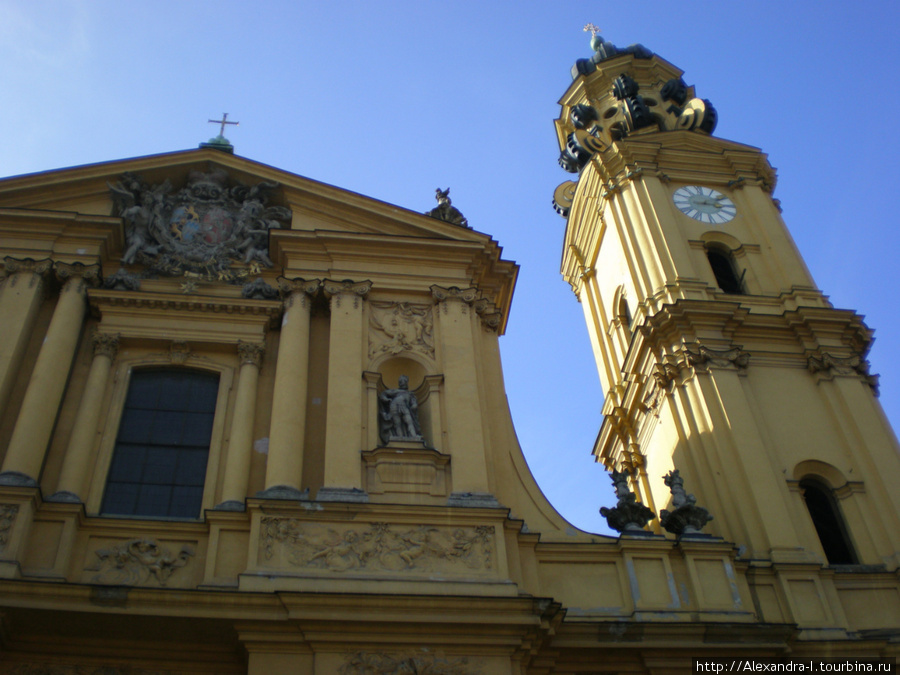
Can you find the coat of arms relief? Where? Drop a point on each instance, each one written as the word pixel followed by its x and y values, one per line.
pixel 212 227
pixel 398 327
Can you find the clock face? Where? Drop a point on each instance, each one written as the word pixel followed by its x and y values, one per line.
pixel 704 204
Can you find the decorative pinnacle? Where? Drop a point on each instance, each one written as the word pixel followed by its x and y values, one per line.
pixel 595 31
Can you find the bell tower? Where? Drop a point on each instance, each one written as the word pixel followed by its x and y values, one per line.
pixel 718 354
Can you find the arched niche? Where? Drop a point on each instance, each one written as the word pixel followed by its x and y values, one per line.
pixel 426 386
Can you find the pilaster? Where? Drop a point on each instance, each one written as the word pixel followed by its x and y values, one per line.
pixel 462 399
pixel 40 406
pixel 288 426
pixel 343 440
pixel 237 469
pixel 20 299
pixel 82 442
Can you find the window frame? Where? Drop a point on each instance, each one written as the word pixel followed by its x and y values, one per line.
pixel 126 364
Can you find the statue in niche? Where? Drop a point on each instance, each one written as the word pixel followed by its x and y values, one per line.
pixel 399 414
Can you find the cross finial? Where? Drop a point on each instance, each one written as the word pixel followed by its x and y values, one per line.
pixel 223 122
pixel 595 31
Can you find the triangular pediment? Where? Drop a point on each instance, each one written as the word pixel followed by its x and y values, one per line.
pixel 314 205
pixel 210 215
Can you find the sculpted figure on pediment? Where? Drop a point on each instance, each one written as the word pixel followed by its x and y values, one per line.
pixel 205 228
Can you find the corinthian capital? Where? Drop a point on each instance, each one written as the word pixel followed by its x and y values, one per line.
pixel 105 344
pixel 251 352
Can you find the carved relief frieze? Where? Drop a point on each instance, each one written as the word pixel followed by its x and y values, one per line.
pixel 398 327
pixel 378 547
pixel 135 562
pixel 823 362
pixel 8 514
pixel 379 663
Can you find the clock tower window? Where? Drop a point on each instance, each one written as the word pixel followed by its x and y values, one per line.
pixel 725 270
pixel 829 524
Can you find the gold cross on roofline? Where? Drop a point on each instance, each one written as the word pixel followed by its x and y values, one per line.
pixel 591 27
pixel 223 122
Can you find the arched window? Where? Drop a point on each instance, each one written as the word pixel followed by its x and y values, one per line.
pixel 826 517
pixel 159 462
pixel 723 267
pixel 623 313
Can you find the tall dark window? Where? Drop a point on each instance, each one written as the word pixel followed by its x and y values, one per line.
pixel 722 264
pixel 829 525
pixel 159 462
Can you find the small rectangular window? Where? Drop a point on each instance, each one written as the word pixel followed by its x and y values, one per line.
pixel 159 462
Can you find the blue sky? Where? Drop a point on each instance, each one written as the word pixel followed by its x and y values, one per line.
pixel 394 99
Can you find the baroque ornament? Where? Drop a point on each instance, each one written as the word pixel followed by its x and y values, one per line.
pixel 397 327
pixel 628 515
pixel 205 228
pixel 134 562
pixel 379 547
pixel 687 518
pixel 8 514
pixel 426 663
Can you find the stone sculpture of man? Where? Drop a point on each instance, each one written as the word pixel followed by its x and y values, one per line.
pixel 399 417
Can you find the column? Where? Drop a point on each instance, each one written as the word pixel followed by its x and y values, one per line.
pixel 40 406
pixel 77 462
pixel 288 425
pixel 237 468
pixel 343 420
pixel 20 301
pixel 461 393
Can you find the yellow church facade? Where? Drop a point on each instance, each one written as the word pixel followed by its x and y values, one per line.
pixel 252 423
